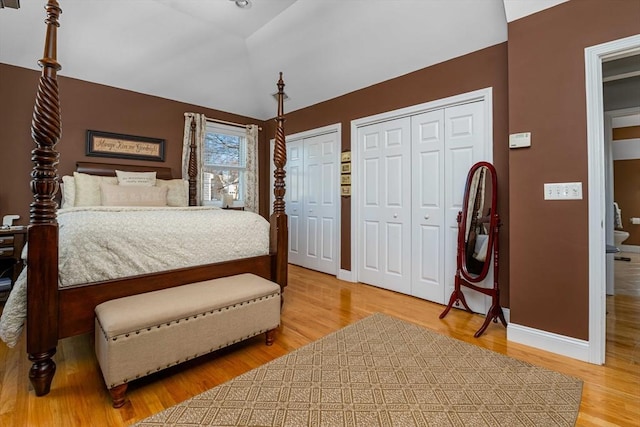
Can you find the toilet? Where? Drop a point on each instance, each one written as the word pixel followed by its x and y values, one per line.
pixel 619 236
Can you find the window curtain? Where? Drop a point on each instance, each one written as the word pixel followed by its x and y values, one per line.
pixel 251 196
pixel 201 126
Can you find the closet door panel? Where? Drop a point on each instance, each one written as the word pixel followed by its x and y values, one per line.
pixel 320 202
pixel 328 222
pixel 293 199
pixel 371 264
pixel 393 182
pixel 385 205
pixel 427 170
pixel 312 187
pixel 328 242
pixel 371 173
pixel 428 253
pixel 393 250
pixel 465 145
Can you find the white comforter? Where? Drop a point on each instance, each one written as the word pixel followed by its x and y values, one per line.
pixel 102 243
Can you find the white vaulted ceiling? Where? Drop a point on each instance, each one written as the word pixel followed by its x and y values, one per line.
pixel 213 54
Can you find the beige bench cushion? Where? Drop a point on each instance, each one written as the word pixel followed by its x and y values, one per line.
pixel 145 333
pixel 128 314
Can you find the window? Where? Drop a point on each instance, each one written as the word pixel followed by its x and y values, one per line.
pixel 224 164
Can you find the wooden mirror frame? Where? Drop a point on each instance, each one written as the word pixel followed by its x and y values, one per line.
pixel 463 276
pixel 490 219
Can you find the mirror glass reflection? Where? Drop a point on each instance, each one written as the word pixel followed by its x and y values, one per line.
pixel 477 220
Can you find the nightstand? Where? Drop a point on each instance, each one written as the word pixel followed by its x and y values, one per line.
pixel 11 243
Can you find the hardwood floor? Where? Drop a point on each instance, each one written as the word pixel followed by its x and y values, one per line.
pixel 316 304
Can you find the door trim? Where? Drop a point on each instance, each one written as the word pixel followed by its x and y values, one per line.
pixel 485 94
pixel 594 56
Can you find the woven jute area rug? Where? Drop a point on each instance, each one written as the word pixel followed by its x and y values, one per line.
pixel 382 371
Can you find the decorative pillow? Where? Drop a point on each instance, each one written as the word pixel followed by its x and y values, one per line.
pixel 133 195
pixel 147 179
pixel 87 188
pixel 178 191
pixel 68 190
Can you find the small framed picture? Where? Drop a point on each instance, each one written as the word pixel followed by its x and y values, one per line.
pixel 345 179
pixel 345 190
pixel 345 168
pixel 345 157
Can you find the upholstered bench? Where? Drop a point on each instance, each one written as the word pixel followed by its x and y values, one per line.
pixel 144 333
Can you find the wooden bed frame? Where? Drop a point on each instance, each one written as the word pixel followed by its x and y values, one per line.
pixel 53 314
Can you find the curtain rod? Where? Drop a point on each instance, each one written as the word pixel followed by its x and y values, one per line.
pixel 224 122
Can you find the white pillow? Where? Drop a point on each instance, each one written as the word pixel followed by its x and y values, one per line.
pixel 133 195
pixel 178 191
pixel 68 189
pixel 147 179
pixel 87 188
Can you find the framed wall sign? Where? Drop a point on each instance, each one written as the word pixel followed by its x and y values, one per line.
pixel 106 144
pixel 345 190
pixel 345 168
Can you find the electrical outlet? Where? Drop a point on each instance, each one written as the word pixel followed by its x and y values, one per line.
pixel 563 191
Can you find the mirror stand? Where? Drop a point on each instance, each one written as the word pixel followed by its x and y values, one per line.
pixel 478 225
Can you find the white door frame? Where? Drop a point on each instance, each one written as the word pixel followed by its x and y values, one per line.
pixel 594 56
pixel 337 128
pixel 485 94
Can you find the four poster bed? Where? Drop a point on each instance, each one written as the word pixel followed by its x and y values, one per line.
pixel 53 312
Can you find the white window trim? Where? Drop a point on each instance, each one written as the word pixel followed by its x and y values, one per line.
pixel 222 129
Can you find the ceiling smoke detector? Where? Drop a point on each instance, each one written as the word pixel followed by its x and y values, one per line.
pixel 242 4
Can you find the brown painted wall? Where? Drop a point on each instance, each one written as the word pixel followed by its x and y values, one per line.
pixel 84 106
pixel 549 283
pixel 626 177
pixel 481 69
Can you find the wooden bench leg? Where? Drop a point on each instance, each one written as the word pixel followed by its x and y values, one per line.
pixel 270 336
pixel 117 395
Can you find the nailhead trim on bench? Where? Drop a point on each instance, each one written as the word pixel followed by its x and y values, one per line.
pixel 218 310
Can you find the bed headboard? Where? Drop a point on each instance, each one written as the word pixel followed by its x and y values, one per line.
pixel 109 169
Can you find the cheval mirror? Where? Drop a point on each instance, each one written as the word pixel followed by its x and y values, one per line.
pixel 478 225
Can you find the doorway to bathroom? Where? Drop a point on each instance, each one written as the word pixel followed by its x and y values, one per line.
pixel 622 165
pixel 595 56
pixel 622 180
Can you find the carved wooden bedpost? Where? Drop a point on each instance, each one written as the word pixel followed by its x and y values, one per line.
pixel 42 266
pixel 193 164
pixel 279 234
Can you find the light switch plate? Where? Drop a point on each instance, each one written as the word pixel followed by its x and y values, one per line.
pixel 563 191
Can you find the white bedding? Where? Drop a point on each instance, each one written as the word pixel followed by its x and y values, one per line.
pixel 102 243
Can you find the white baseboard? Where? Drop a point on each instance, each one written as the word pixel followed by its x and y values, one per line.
pixel 630 248
pixel 345 275
pixel 507 314
pixel 548 341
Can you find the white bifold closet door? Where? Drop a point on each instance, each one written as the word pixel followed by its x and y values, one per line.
pixel 413 176
pixel 385 225
pixel 312 202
